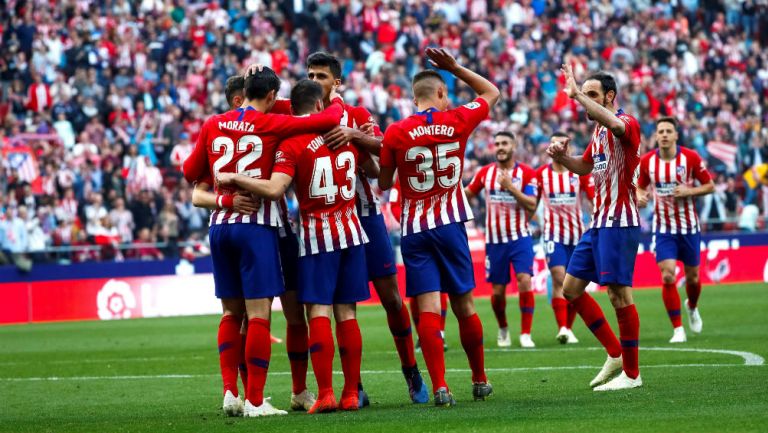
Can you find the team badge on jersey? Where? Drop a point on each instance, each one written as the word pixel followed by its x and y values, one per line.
pixel 681 170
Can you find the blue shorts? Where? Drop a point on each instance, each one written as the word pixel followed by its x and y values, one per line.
pixel 499 256
pixel 289 259
pixel 606 255
pixel 438 260
pixel 338 277
pixel 246 261
pixel 686 248
pixel 378 251
pixel 558 254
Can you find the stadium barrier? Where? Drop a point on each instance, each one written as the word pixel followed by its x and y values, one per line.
pixel 172 287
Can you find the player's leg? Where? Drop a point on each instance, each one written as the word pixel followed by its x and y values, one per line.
pixel 580 271
pixel 690 255
pixel 457 276
pixel 665 248
pixel 497 273
pixel 521 257
pixel 557 258
pixel 443 316
pixel 616 251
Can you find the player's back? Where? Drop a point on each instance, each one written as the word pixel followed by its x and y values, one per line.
pixel 324 181
pixel 428 151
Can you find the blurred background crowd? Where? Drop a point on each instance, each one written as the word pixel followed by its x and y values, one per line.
pixel 101 101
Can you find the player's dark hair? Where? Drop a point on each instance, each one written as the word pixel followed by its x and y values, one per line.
pixel 259 84
pixel 507 134
pixel 667 119
pixel 424 83
pixel 323 59
pixel 607 82
pixel 235 85
pixel 304 96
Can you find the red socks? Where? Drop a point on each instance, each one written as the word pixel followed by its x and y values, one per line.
pixel 560 307
pixel 415 311
pixel 629 329
pixel 297 345
pixel 527 304
pixel 593 316
pixel 443 309
pixel 499 305
pixel 400 327
pixel 471 334
pixel 230 351
pixel 571 315
pixel 258 351
pixel 693 291
pixel 351 353
pixel 432 348
pixel 672 303
pixel 321 350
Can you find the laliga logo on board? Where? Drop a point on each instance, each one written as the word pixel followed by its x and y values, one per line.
pixel 115 300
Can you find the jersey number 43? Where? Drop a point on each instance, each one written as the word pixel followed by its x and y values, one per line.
pixel 322 184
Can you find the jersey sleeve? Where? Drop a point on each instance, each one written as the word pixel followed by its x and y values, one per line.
pixel 631 136
pixel 387 153
pixel 699 169
pixel 644 179
pixel 287 157
pixel 530 183
pixel 478 181
pixel 468 116
pixel 540 180
pixel 587 156
pixel 195 168
pixel 588 185
pixel 282 106
pixel 362 116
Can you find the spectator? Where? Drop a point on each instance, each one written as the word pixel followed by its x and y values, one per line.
pixel 144 248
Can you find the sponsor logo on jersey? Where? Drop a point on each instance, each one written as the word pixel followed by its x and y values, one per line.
pixel 665 189
pixel 472 105
pixel 600 162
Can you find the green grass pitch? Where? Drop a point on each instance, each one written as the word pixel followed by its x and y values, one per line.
pixel 161 375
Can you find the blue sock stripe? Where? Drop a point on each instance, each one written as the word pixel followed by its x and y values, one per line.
pixel 224 346
pixel 443 313
pixel 258 362
pixel 673 313
pixel 315 348
pixel 298 356
pixel 404 333
pixel 630 343
pixel 528 310
pixel 594 326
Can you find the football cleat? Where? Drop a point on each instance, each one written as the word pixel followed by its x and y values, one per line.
pixel 526 342
pixel 362 397
pixel 571 337
pixel 232 406
pixel 678 335
pixel 275 340
pixel 417 389
pixel 324 404
pixel 503 340
pixel 562 335
pixel 694 319
pixel 349 401
pixel 444 398
pixel 303 400
pixel 610 369
pixel 621 381
pixel 481 390
pixel 266 409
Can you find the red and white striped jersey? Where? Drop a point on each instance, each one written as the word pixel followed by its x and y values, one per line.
pixel 615 168
pixel 505 219
pixel 324 181
pixel 673 215
pixel 427 150
pixel 561 193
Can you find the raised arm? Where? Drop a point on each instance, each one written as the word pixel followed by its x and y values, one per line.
pixel 441 59
pixel 596 111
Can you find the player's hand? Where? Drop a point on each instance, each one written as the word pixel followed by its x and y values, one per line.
pixel 368 129
pixel 682 191
pixel 442 59
pixel 335 95
pixel 571 89
pixel 252 69
pixel 225 179
pixel 557 151
pixel 245 204
pixel 505 181
pixel 642 199
pixel 339 136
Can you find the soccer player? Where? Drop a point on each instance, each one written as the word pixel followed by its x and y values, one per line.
pixel 244 247
pixel 297 334
pixel 356 122
pixel 606 253
pixel 560 191
pixel 510 195
pixel 672 170
pixel 427 150
pixel 332 269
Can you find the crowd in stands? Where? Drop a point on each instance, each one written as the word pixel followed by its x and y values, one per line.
pixel 101 101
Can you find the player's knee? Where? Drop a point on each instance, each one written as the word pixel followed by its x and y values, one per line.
pixel 523 282
pixel 463 305
pixel 668 277
pixel 692 278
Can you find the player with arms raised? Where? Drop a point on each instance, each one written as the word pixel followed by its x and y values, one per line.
pixel 560 191
pixel 510 195
pixel 332 270
pixel 606 253
pixel 672 170
pixel 244 247
pixel 427 150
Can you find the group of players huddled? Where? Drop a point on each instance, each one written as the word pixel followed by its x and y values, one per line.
pixel 331 152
